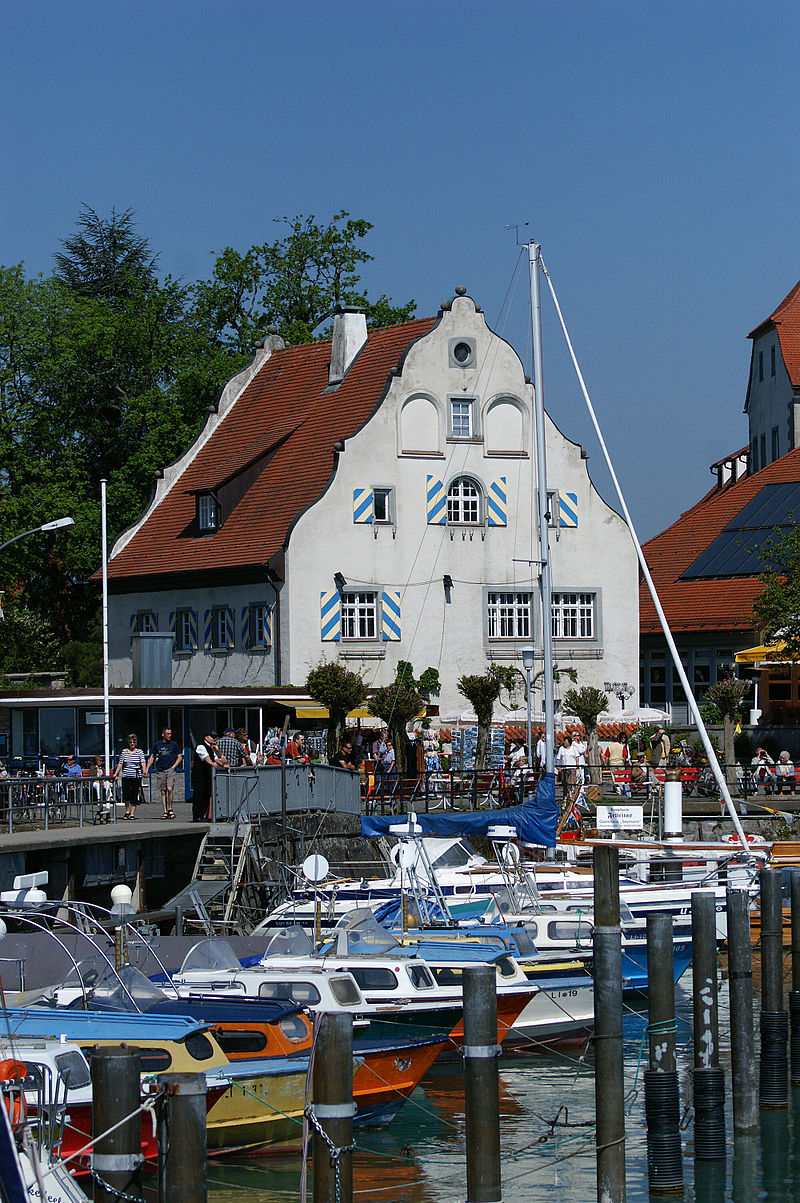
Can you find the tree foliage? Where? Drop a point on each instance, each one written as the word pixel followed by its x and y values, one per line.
pixel 294 283
pixel 107 371
pixel 339 691
pixel 587 704
pixel 482 691
pixel 776 609
pixel 727 696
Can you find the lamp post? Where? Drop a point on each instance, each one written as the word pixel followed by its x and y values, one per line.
pixel 56 524
pixel 528 655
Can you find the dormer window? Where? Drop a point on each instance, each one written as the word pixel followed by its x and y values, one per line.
pixel 207 513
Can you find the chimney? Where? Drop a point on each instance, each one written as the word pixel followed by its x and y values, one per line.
pixel 349 336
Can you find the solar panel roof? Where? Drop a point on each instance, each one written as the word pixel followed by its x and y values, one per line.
pixel 737 550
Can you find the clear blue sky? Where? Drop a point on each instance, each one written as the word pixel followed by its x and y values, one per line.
pixel 652 148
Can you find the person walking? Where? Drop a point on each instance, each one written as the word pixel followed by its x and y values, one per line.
pixel 660 748
pixel 206 759
pixel 165 757
pixel 131 767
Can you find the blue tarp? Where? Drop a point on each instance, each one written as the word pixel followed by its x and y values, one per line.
pixel 535 821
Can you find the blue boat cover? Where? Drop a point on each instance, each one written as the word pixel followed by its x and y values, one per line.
pixel 535 821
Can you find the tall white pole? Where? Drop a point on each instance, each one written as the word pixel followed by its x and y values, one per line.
pixel 545 580
pixel 106 709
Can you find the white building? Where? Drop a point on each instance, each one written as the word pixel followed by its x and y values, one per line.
pixel 372 499
pixel 772 404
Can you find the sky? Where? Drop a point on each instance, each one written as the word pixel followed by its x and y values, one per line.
pixel 651 148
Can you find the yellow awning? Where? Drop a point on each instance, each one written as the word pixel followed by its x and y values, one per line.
pixel 769 652
pixel 321 712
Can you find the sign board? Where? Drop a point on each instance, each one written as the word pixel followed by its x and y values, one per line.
pixel 620 818
pixel 94 718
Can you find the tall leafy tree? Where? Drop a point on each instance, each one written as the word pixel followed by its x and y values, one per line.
pixel 482 690
pixel 588 704
pixel 339 691
pixel 295 283
pixel 776 608
pixel 401 701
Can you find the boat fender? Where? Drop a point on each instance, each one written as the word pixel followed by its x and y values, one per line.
pixel 14 1074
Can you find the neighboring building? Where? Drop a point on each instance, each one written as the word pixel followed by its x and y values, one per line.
pixel 706 565
pixel 370 498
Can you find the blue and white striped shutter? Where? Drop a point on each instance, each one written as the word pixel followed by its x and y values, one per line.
pixel 172 626
pixel 153 621
pixel 497 502
pixel 390 620
pixel 567 509
pixel 436 502
pixel 207 629
pixel 230 627
pixel 363 510
pixel 193 628
pixel 245 626
pixel 268 612
pixel 132 629
pixel 330 615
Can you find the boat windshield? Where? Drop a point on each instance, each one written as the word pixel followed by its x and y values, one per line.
pixel 360 932
pixel 455 856
pixel 215 954
pixel 126 990
pixel 289 941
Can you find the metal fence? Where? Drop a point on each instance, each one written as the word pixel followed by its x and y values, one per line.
pixel 43 802
pixel 241 793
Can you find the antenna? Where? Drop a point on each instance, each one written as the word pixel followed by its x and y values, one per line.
pixel 519 226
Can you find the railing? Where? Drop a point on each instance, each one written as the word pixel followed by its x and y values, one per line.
pixel 250 792
pixel 35 803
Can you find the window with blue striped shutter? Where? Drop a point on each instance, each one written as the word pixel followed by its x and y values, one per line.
pixel 330 615
pixel 363 506
pixel 390 619
pixel 172 627
pixel 568 509
pixel 497 502
pixel 436 502
pixel 230 629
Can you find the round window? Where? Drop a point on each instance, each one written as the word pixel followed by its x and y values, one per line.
pixel 462 352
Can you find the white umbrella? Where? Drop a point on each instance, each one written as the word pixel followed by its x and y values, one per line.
pixel 639 714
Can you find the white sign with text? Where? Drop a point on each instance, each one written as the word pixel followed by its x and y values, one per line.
pixel 620 818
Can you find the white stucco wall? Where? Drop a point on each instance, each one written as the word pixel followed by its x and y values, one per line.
pixel 414 556
pixel 771 402
pixel 201 668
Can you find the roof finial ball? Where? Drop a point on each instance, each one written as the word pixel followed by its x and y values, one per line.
pixel 461 290
pixel 273 329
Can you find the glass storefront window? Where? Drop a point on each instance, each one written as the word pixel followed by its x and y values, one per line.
pixel 57 731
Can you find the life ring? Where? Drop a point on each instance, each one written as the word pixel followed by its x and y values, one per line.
pixel 14 1073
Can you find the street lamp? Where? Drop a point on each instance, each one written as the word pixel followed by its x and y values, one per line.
pixel 56 524
pixel 528 656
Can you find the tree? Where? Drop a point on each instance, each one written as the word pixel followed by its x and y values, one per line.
pixel 28 643
pixel 295 283
pixel 401 701
pixel 339 691
pixel 587 704
pixel 727 696
pixel 776 608
pixel 105 258
pixel 482 691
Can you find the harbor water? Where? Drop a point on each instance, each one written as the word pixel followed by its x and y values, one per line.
pixel 547 1108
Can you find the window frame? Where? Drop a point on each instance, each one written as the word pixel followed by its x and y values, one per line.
pixel 463 399
pixel 211 523
pixel 559 611
pixel 220 613
pixel 480 501
pixel 521 606
pixel 387 492
pixel 184 644
pixel 352 613
pixel 760 367
pixel 772 360
pixel 146 623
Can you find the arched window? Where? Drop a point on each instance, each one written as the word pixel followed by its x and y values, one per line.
pixel 464 502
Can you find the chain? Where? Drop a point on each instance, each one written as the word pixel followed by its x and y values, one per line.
pixel 112 1190
pixel 335 1152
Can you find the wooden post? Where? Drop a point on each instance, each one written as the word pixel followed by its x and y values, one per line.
pixel 709 1079
pixel 333 1109
pixel 182 1141
pixel 661 1095
pixel 774 1067
pixel 740 992
pixel 481 1084
pixel 117 1157
pixel 608 1067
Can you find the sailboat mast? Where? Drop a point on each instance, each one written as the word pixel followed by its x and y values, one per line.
pixel 542 508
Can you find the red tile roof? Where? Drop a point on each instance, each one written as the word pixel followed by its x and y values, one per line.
pixel 702 605
pixel 288 419
pixel 786 320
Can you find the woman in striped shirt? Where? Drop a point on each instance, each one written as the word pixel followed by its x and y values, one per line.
pixel 131 768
